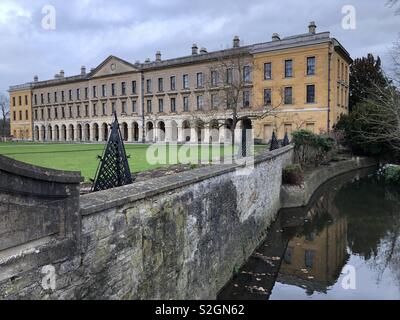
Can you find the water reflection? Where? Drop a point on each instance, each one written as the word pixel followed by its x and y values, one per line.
pixel 353 220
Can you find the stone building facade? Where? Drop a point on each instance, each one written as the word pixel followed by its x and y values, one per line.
pixel 280 85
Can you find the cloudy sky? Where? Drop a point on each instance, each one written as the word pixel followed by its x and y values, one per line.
pixel 87 31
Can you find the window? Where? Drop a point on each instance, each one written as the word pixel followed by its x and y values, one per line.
pixel 160 105
pixel 41 98
pixel 148 85
pixel 94 106
pixel 70 95
pixel 78 94
pixel 86 110
pixel 78 111
pixel 62 112
pixel 214 101
pixel 48 114
pixel 133 106
pixel 288 129
pixel 86 93
pixel 173 105
pixel 310 66
pixel 173 83
pixel 200 80
pixel 267 71
pixel 185 81
pixel 26 115
pixel 94 92
pixel 200 102
pixel 123 107
pixel 48 99
pixel 309 258
pixel 267 97
pixel 26 100
pixel 288 99
pixel 148 106
pixel 62 96
pixel 246 99
pixel 20 115
pixel 104 109
pixel 311 93
pixel 36 115
pixel 35 99
pixel 160 85
pixel 70 111
pixel 123 88
pixel 185 104
pixel 55 113
pixel 113 107
pixel 133 87
pixel 14 116
pixel 288 68
pixel 104 90
pixel 246 74
pixel 14 101
pixel 42 114
pixel 55 97
pixel 229 76
pixel 214 78
pixel 20 99
pixel 113 89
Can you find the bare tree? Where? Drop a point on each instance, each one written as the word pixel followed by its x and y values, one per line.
pixel 393 3
pixel 4 113
pixel 228 97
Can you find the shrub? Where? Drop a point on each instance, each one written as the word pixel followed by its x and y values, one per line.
pixel 392 174
pixel 293 175
pixel 311 148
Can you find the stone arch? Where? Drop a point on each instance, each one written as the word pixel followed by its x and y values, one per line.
pixel 135 131
pixel 246 136
pixel 79 132
pixel 149 131
pixel 63 133
pixel 161 131
pixel 87 132
pixel 71 132
pixel 214 131
pixel 199 129
pixel 186 131
pixel 104 130
pixel 124 131
pixel 96 133
pixel 57 132
pixel 36 133
pixel 49 136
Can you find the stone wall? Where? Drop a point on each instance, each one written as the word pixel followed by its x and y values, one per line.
pixel 175 237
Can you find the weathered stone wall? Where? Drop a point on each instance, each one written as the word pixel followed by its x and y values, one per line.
pixel 176 237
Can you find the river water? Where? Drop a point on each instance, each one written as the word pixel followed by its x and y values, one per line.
pixel 344 245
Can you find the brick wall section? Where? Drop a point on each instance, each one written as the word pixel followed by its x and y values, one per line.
pixel 176 237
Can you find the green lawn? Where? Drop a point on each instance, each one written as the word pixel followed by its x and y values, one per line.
pixel 83 157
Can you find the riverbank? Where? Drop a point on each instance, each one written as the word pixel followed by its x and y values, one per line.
pixel 299 196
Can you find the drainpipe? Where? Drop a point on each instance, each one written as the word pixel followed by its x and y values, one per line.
pixel 142 103
pixel 329 87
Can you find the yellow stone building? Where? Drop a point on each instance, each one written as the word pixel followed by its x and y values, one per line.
pixel 294 82
pixel 21 122
pixel 303 81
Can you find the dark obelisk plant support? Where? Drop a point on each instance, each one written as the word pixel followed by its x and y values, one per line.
pixel 274 142
pixel 286 140
pixel 113 170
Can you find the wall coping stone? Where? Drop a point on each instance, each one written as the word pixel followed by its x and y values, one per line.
pixel 104 200
pixel 39 173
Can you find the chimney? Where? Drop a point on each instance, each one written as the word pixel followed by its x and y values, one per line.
pixel 194 49
pixel 158 56
pixel 56 76
pixel 312 27
pixel 147 60
pixel 35 78
pixel 92 69
pixel 203 50
pixel 236 42
pixel 83 70
pixel 275 37
pixel 62 74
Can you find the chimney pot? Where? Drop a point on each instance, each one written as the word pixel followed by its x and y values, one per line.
pixel 158 56
pixel 35 78
pixel 147 60
pixel 203 50
pixel 83 70
pixel 276 37
pixel 194 49
pixel 62 74
pixel 236 42
pixel 312 28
